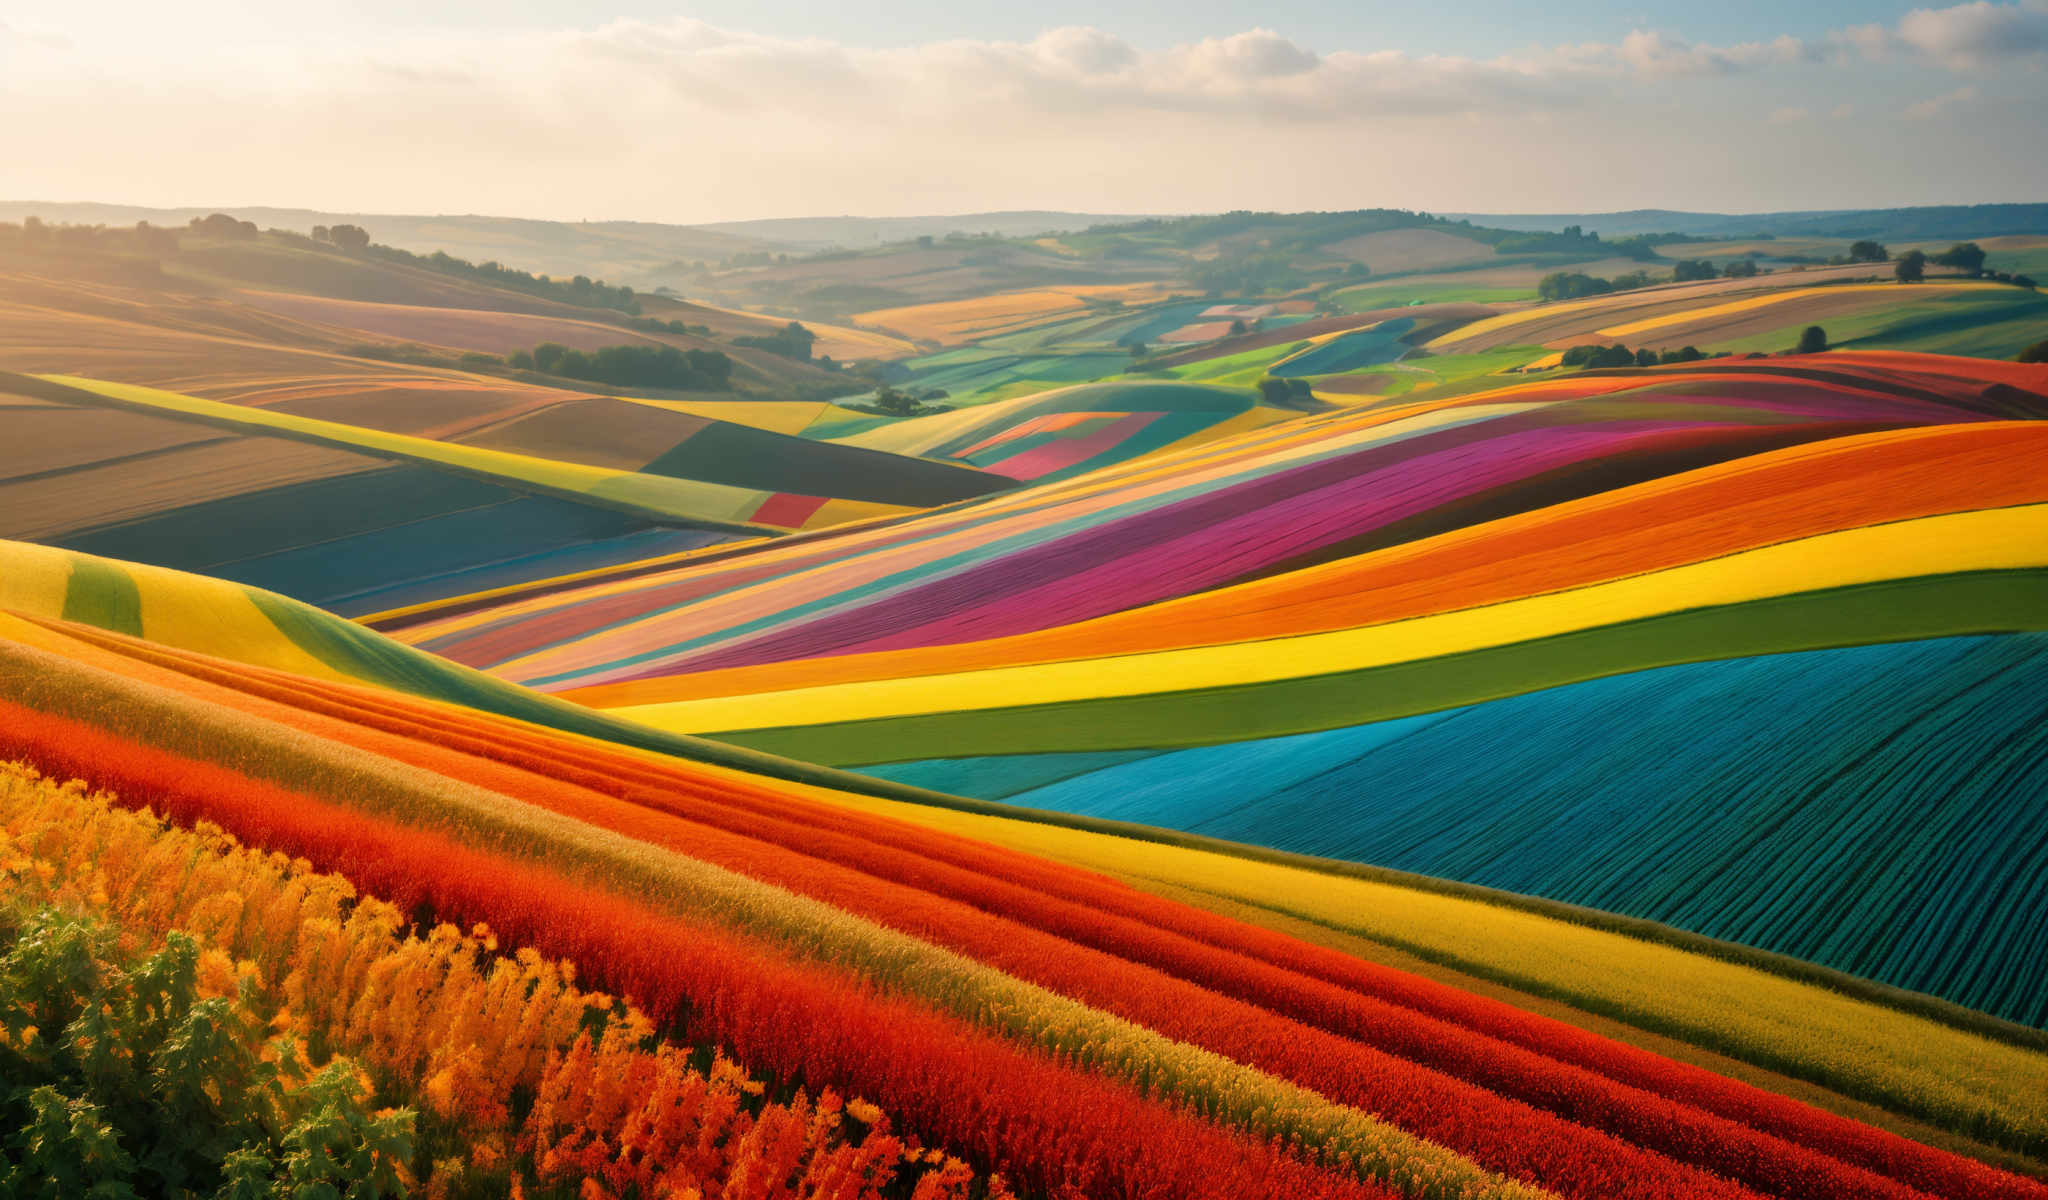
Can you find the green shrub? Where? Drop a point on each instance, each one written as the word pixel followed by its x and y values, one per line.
pixel 122 1078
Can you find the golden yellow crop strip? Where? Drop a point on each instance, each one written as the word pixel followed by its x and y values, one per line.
pixel 988 523
pixel 1896 1060
pixel 1956 542
pixel 194 612
pixel 1751 303
pixel 693 890
pixel 654 495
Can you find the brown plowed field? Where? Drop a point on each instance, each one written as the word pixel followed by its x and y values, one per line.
pixel 98 495
pixel 602 432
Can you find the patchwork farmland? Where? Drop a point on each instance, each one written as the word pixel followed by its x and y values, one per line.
pixel 1264 705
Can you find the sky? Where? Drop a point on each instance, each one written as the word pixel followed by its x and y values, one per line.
pixel 736 109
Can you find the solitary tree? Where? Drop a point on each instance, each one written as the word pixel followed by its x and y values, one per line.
pixel 1869 252
pixel 1813 340
pixel 352 238
pixel 2036 353
pixel 1911 267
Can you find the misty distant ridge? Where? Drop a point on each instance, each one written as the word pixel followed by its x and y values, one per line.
pixel 1903 224
pixel 851 232
pixel 648 254
pixel 822 233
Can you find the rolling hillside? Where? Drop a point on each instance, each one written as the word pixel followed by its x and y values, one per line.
pixel 1293 602
pixel 1237 705
pixel 736 908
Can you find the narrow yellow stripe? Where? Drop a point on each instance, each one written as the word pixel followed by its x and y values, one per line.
pixel 1972 541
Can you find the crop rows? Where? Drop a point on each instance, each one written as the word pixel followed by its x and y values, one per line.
pixel 451 1024
pixel 1112 984
pixel 1050 1125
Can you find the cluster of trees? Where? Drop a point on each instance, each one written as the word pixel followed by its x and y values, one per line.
pixel 1967 257
pixel 617 366
pixel 1573 239
pixel 790 341
pixel 1285 393
pixel 630 366
pixel 656 325
pixel 895 402
pixel 221 225
pixel 582 290
pixel 1593 355
pixel 1813 340
pixel 351 238
pixel 1247 274
pixel 1574 285
pixel 36 234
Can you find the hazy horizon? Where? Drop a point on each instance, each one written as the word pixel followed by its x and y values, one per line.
pixel 785 110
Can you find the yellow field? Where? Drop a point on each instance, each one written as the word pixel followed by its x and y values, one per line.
pixel 1901 1062
pixel 1990 540
pixel 652 494
pixel 842 342
pixel 950 322
pixel 1751 303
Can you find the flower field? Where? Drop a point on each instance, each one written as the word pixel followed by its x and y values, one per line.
pixel 1620 784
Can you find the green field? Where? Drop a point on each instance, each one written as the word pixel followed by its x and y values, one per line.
pixel 1978 322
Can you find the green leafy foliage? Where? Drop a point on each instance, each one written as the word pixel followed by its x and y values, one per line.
pixel 581 290
pixel 1572 285
pixel 790 341
pixel 121 1079
pixel 1968 256
pixel 631 366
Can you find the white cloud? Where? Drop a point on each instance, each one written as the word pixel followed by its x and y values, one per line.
pixel 1657 54
pixel 1085 50
pixel 1934 106
pixel 679 119
pixel 1970 36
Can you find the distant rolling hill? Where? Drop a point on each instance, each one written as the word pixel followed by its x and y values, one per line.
pixel 1901 224
pixel 819 233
